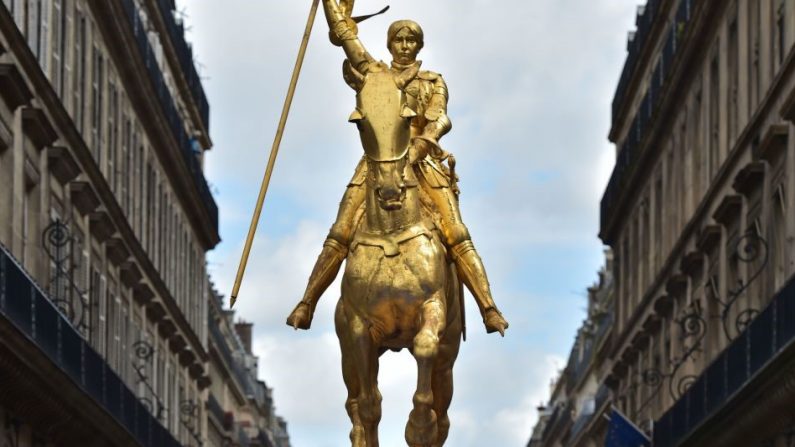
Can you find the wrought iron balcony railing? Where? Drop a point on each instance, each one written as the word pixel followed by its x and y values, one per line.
pixel 560 417
pixel 30 310
pixel 244 378
pixel 632 146
pixel 762 341
pixel 176 33
pixel 643 21
pixel 175 122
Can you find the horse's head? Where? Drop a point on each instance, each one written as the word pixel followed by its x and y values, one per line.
pixel 383 118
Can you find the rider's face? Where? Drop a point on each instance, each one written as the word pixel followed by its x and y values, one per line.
pixel 404 47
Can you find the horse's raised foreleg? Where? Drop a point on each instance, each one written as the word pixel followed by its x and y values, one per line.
pixel 350 376
pixel 364 354
pixel 421 430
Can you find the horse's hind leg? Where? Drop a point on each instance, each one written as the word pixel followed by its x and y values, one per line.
pixel 350 376
pixel 421 430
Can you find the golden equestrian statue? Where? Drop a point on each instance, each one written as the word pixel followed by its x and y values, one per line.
pixel 400 229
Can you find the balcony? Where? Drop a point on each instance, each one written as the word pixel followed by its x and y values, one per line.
pixel 28 309
pixel 635 142
pixel 262 440
pixel 580 424
pixel 745 363
pixel 176 33
pixel 579 363
pixel 243 377
pixel 644 21
pixel 184 142
pixel 560 419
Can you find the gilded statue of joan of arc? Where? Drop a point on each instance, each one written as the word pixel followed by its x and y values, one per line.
pixel 427 96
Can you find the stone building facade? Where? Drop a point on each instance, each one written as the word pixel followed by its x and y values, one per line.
pixel 240 407
pixel 699 214
pixel 574 415
pixel 105 220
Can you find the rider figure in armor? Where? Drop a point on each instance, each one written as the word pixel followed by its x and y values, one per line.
pixel 427 96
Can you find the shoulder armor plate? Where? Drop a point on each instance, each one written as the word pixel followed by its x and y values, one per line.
pixel 426 75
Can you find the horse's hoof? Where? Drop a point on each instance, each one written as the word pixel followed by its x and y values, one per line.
pixel 495 322
pixel 421 429
pixel 301 317
pixel 357 437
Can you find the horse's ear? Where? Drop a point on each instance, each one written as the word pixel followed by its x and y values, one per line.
pixel 355 117
pixel 406 76
pixel 352 76
pixel 407 112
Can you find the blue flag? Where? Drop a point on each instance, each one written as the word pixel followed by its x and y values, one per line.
pixel 623 433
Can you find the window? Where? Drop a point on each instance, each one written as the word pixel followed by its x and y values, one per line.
pixel 753 66
pixel 30 225
pixel 150 203
pixel 780 35
pixel 96 109
pixel 59 34
pixel 94 309
pixel 139 173
pixel 734 76
pixel 132 157
pixel 714 116
pixel 125 339
pixel 34 26
pixel 126 179
pixel 78 90
pixel 696 151
pixel 112 334
pixel 779 238
pixel 112 120
pixel 133 177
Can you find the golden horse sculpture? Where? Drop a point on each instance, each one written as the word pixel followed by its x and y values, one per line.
pixel 400 229
pixel 398 290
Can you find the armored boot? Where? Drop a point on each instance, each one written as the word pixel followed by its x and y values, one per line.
pixel 326 268
pixel 470 269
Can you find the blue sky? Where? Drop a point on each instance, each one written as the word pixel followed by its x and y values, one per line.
pixel 530 88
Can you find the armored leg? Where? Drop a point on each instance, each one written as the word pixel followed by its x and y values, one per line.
pixel 470 269
pixel 468 263
pixel 335 249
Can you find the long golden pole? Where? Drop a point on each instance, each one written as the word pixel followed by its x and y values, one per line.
pixel 277 140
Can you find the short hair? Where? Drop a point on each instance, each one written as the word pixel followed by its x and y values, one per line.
pixel 411 25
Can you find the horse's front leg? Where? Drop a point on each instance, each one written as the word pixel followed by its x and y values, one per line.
pixel 421 430
pixel 365 362
pixel 349 375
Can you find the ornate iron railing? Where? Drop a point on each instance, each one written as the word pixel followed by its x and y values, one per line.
pixel 761 341
pixel 144 352
pixel 172 116
pixel 27 307
pixel 176 32
pixel 749 249
pixel 70 299
pixel 632 146
pixel 189 418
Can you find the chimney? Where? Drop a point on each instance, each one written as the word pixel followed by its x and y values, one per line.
pixel 243 330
